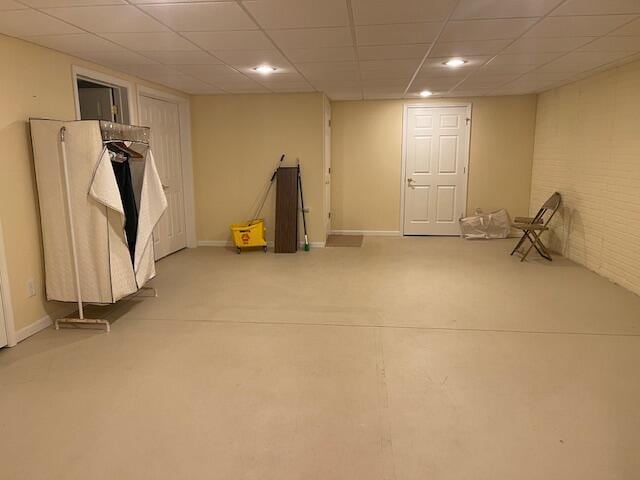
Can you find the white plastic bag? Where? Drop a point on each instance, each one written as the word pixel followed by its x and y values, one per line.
pixel 486 225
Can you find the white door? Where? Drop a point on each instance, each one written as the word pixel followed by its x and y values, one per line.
pixel 327 165
pixel 436 153
pixel 164 120
pixel 3 328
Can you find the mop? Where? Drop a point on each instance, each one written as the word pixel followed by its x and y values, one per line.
pixel 304 218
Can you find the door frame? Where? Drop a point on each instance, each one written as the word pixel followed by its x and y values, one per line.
pixel 467 155
pixel 109 81
pixel 186 154
pixel 5 294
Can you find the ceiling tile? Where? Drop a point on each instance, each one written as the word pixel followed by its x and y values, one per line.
pixel 502 68
pixel 478 9
pixel 344 95
pixel 547 44
pixel 144 42
pixel 390 67
pixel 219 75
pixel 336 54
pixel 245 40
pixel 75 43
pixel 632 29
pixel 277 78
pixel 252 58
pixel 376 12
pixel 272 14
pixel 476 47
pixel 581 61
pixel 23 23
pixel 435 84
pixel 593 26
pixel 202 17
pixel 488 80
pixel 463 30
pixel 195 57
pixel 384 52
pixel 11 5
pixel 397 34
pixel 71 3
pixel 613 44
pixel 598 7
pixel 243 86
pixel 108 19
pixel 117 58
pixel 311 37
pixel 330 71
pixel 524 58
pixel 291 88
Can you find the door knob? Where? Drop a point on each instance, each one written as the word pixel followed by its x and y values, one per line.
pixel 410 180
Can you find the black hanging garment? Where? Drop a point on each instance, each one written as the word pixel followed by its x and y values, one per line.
pixel 122 171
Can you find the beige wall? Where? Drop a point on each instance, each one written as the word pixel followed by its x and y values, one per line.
pixel 34 82
pixel 587 147
pixel 367 157
pixel 237 142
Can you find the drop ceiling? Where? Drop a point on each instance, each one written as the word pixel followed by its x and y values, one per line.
pixel 349 49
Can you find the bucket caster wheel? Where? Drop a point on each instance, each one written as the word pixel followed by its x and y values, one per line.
pixel 265 249
pixel 238 250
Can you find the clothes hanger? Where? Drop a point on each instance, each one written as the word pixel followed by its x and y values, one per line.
pixel 126 150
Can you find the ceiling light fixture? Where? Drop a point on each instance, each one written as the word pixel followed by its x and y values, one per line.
pixel 426 93
pixel 455 62
pixel 265 69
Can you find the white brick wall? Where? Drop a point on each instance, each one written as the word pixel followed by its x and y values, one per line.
pixel 587 147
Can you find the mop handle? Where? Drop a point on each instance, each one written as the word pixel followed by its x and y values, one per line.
pixel 266 195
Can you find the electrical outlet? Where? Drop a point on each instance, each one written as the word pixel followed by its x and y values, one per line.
pixel 31 289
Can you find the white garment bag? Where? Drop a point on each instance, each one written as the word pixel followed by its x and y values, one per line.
pixel 90 222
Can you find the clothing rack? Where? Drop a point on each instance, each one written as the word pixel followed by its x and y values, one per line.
pixel 111 133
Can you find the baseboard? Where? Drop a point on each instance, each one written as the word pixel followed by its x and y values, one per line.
pixel 43 323
pixel 368 233
pixel 215 243
pixel 228 243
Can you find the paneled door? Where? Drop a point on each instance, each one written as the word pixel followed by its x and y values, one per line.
pixel 436 152
pixel 164 120
pixel 3 328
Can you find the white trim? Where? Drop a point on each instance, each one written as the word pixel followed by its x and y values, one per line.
pixel 368 233
pixel 229 243
pixel 431 104
pixel 5 294
pixel 44 322
pixel 108 79
pixel 186 155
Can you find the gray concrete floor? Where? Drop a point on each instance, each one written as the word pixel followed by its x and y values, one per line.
pixel 408 358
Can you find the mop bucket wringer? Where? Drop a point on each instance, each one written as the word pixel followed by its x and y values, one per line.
pixel 249 234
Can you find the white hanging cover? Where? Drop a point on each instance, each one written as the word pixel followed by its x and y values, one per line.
pixel 105 268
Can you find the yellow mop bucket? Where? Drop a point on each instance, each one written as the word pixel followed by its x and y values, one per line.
pixel 249 234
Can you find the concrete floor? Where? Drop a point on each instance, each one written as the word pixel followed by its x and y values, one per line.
pixel 408 358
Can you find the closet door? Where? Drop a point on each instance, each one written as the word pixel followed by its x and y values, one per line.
pixel 164 120
pixel 3 328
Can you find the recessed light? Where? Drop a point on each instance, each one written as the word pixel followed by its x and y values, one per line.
pixel 426 93
pixel 265 69
pixel 455 62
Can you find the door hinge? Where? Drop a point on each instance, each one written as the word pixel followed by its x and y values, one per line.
pixel 464 169
pixel 329 214
pixel 468 121
pixel 329 170
pixel 329 122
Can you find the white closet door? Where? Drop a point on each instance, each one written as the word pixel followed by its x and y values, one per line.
pixel 3 328
pixel 164 120
pixel 436 154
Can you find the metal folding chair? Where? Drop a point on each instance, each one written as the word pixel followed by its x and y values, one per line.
pixel 533 227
